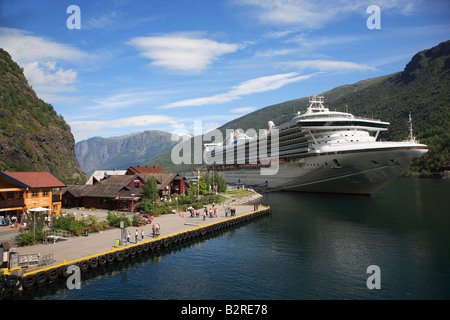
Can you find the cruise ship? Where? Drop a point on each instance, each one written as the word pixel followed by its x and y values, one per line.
pixel 317 151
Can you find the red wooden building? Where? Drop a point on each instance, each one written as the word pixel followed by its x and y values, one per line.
pixel 121 192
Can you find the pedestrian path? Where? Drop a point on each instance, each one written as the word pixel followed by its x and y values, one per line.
pixel 96 243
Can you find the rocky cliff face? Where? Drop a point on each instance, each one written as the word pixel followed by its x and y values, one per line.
pixel 32 136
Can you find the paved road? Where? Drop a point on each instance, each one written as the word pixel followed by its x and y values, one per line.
pixel 8 234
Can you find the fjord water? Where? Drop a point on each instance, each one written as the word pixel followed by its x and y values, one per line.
pixel 313 246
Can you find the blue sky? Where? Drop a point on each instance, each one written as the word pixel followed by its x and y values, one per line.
pixel 141 65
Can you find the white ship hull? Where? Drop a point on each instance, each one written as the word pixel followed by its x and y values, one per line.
pixel 355 171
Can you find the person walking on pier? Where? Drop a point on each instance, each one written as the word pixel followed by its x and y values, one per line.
pixel 142 235
pixel 136 234
pixel 128 236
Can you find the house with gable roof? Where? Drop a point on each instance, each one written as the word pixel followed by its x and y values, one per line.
pixel 21 191
pixel 121 192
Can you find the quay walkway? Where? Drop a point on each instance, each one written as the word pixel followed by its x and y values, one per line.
pixel 97 249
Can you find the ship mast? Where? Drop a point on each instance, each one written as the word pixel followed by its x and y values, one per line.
pixel 411 136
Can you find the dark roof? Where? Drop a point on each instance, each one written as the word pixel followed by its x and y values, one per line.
pixel 75 190
pixel 119 186
pixel 124 180
pixel 138 170
pixel 101 191
pixel 34 179
pixel 162 179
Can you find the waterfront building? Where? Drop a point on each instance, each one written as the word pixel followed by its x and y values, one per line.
pixel 22 191
pixel 121 192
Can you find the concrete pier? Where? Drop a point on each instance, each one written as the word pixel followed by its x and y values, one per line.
pixel 101 248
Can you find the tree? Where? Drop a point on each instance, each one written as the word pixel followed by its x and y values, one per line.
pixel 150 189
pixel 207 183
pixel 220 182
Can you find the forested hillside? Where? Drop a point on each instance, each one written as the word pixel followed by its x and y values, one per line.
pixel 33 137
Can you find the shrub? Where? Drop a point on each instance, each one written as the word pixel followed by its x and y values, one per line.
pixel 136 218
pixel 29 235
pixel 93 219
pixel 103 225
pixel 90 229
pixel 68 223
pixel 114 219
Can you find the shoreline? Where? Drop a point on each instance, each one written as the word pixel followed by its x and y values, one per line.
pixel 245 199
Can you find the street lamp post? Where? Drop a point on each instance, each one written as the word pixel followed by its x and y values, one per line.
pixel 34 223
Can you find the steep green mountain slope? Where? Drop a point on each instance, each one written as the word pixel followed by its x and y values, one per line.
pixel 32 136
pixel 422 88
pixel 122 152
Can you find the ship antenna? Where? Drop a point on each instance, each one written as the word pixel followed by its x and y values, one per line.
pixel 411 136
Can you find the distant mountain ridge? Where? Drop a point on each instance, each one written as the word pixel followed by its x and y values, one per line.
pixel 122 152
pixel 422 88
pixel 32 135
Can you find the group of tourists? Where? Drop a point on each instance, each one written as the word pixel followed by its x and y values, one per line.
pixel 230 211
pixel 155 232
pixel 6 220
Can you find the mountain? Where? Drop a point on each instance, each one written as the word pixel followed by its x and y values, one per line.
pixel 122 152
pixel 32 135
pixel 422 88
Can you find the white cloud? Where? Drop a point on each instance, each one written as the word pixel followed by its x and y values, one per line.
pixel 328 65
pixel 299 13
pixel 243 110
pixel 126 98
pixel 40 58
pixel 103 21
pixel 248 87
pixel 318 13
pixel 181 53
pixel 23 46
pixel 49 79
pixel 266 83
pixel 84 129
